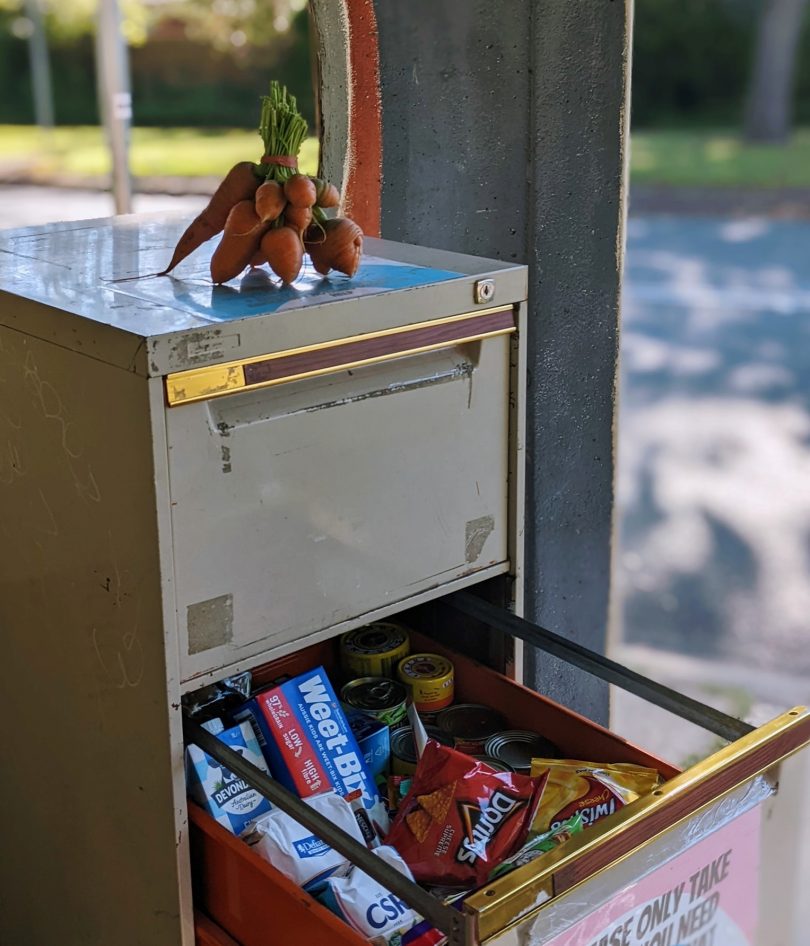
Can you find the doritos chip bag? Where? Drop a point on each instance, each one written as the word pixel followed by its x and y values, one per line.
pixel 461 817
pixel 594 789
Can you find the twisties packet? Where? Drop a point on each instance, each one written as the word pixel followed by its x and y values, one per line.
pixel 225 796
pixel 592 789
pixel 295 850
pixel 366 905
pixel 461 818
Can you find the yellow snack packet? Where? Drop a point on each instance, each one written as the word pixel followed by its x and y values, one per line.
pixel 594 789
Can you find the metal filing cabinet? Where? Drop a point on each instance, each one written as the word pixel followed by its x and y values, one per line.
pixel 196 480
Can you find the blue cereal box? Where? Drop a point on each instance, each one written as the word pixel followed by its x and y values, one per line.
pixel 374 739
pixel 249 712
pixel 227 798
pixel 310 740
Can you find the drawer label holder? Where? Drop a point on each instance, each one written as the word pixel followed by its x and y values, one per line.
pixel 200 384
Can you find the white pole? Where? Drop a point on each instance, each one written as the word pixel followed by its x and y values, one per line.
pixel 40 66
pixel 115 100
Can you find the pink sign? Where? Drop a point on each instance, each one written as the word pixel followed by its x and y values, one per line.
pixel 706 896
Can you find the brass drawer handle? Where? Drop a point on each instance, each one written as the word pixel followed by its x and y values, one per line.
pixel 198 384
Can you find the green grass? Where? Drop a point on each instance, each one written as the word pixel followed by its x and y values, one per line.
pixel 183 152
pixel 718 159
pixel 677 157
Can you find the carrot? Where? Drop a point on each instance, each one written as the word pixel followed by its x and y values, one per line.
pixel 299 218
pixel 270 201
pixel 300 191
pixel 240 183
pixel 326 194
pixel 243 233
pixel 337 245
pixel 284 252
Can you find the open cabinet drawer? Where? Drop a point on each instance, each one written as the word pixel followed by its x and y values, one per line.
pixel 704 805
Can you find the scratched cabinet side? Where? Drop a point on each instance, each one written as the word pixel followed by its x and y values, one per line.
pixel 88 824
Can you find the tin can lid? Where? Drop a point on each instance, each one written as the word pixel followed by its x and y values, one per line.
pixel 378 638
pixel 424 667
pixel 374 693
pixel 470 721
pixel 404 747
pixel 494 763
pixel 517 748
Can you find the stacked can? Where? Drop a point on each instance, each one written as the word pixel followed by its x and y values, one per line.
pixel 374 650
pixel 403 748
pixel 430 680
pixel 470 725
pixel 517 747
pixel 385 700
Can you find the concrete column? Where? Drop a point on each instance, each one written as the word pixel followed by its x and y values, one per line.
pixel 502 134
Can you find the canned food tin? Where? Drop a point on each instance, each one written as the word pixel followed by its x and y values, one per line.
pixel 517 748
pixel 403 748
pixel 470 725
pixel 494 763
pixel 381 698
pixel 430 680
pixel 374 650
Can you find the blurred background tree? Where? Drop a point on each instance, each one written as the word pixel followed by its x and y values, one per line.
pixel 769 104
pixel 696 62
pixel 193 62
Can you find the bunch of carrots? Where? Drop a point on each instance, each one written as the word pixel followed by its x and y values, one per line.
pixel 269 213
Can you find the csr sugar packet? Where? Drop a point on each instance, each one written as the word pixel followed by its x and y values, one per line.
pixel 225 796
pixel 366 905
pixel 312 747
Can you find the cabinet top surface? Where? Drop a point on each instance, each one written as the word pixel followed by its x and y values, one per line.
pixel 104 271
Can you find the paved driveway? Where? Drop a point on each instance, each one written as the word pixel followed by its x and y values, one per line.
pixel 714 458
pixel 27 206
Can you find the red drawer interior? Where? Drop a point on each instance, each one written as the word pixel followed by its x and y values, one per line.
pixel 260 907
pixel 207 933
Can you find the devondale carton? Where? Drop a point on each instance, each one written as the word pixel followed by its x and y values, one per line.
pixel 310 745
pixel 225 796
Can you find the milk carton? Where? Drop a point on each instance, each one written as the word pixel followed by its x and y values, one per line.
pixel 227 798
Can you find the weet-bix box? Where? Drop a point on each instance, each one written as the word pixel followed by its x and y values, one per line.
pixel 225 796
pixel 311 746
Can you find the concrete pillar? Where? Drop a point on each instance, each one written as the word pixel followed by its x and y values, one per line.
pixel 501 133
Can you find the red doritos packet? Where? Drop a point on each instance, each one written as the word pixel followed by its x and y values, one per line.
pixel 461 818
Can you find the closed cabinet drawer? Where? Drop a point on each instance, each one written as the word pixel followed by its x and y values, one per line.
pixel 304 506
pixel 662 837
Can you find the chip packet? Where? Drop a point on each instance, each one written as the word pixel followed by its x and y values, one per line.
pixel 594 789
pixel 366 905
pixel 461 817
pixel 539 844
pixel 295 850
pixel 424 934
